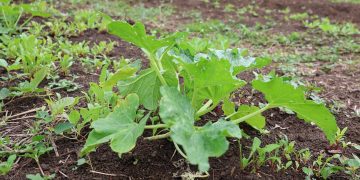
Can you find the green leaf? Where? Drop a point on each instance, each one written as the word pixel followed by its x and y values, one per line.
pixel 32 86
pixel 239 59
pixel 125 141
pixel 281 94
pixel 118 127
pixel 269 148
pixel 5 2
pixel 97 92
pixel 210 79
pixel 353 163
pixel 328 170
pixel 356 146
pixel 34 177
pixel 259 62
pixel 199 143
pixel 308 171
pixel 4 93
pixel 6 167
pixel 3 63
pixel 257 121
pixel 121 74
pixel 59 106
pixel 81 161
pixel 15 66
pixel 255 146
pixel 175 107
pixel 136 35
pixel 38 77
pixel 74 117
pixel 38 138
pixel 38 9
pixel 62 127
pixel 93 140
pixel 103 73
pixel 146 86
pixel 169 67
pixel 227 128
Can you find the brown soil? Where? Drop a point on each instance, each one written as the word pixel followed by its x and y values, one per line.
pixel 121 49
pixel 340 12
pixel 158 160
pixel 340 84
pixel 344 12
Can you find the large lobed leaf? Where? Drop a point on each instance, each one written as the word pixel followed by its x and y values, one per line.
pixel 174 107
pixel 239 60
pixel 199 143
pixel 212 75
pixel 136 34
pixel 210 79
pixel 281 94
pixel 119 127
pixel 208 141
pixel 146 85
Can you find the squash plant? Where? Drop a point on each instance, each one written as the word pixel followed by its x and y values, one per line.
pixel 180 86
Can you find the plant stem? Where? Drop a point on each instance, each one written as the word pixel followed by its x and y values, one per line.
pixel 241 156
pixel 237 121
pixel 155 66
pixel 5 19
pixel 41 170
pixel 231 115
pixel 156 126
pixel 161 136
pixel 206 108
pixel 25 22
pixel 179 150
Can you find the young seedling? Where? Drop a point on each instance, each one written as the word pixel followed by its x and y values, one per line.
pixel 352 166
pixel 6 167
pixel 32 85
pixel 36 149
pixel 10 14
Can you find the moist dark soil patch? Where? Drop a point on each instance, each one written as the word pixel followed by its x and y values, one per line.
pixel 341 84
pixel 20 104
pixel 156 160
pixel 343 78
pixel 121 49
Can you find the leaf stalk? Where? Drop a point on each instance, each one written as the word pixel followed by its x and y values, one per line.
pixel 156 126
pixel 155 66
pixel 207 107
pixel 161 136
pixel 242 119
